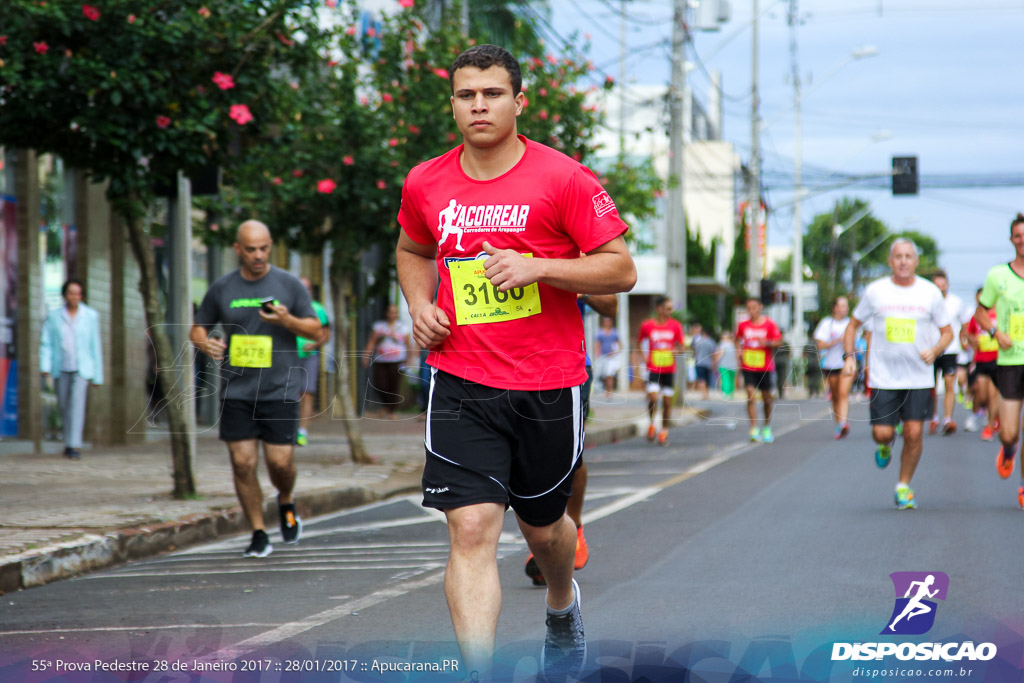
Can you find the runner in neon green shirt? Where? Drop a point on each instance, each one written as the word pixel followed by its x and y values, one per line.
pixel 309 360
pixel 1004 289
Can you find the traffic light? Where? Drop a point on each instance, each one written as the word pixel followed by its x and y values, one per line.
pixel 904 175
pixel 767 291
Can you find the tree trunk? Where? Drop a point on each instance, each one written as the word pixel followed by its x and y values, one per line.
pixel 341 290
pixel 181 455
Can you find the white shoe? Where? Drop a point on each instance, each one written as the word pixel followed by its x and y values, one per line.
pixel 971 424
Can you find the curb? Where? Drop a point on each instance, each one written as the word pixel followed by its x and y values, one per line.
pixel 40 566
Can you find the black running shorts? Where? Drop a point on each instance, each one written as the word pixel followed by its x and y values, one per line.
pixel 1010 382
pixel 273 422
pixel 945 364
pixel 889 406
pixel 663 383
pixel 760 380
pixel 514 448
pixel 988 368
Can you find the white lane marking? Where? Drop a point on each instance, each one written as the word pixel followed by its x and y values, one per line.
pixel 112 629
pixel 262 569
pixel 293 629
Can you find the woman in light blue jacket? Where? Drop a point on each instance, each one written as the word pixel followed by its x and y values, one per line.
pixel 72 351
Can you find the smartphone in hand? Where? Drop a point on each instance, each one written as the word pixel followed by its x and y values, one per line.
pixel 266 303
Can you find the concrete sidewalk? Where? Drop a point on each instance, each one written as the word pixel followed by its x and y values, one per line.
pixel 65 517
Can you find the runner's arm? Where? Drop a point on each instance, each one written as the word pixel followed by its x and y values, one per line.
pixel 605 304
pixel 608 269
pixel 214 348
pixel 417 275
pixel 981 317
pixel 308 328
pixel 929 355
pixel 849 348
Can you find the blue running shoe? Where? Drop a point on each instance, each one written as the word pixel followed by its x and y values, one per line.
pixel 766 435
pixel 883 455
pixel 905 497
pixel 755 434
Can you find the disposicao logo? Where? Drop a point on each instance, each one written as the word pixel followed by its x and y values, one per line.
pixel 913 614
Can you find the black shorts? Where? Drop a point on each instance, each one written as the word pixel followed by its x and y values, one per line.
pixel 703 374
pixel 945 364
pixel 663 383
pixel 1010 382
pixel 889 406
pixel 514 448
pixel 273 422
pixel 758 379
pixel 830 372
pixel 988 369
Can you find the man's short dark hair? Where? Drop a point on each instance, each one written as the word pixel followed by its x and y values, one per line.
pixel 68 283
pixel 940 273
pixel 483 57
pixel 660 301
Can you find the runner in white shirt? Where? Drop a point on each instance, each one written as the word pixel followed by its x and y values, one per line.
pixel 946 364
pixel 912 329
pixel 829 336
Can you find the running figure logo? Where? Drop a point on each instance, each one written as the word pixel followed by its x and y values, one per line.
pixel 446 224
pixel 914 612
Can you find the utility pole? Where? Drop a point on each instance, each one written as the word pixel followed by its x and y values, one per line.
pixel 622 78
pixel 754 255
pixel 798 335
pixel 676 217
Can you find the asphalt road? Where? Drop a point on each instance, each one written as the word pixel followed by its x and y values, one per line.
pixel 728 559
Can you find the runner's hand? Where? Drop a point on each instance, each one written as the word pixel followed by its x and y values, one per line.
pixel 929 356
pixel 280 312
pixel 1004 339
pixel 430 326
pixel 850 366
pixel 507 268
pixel 214 348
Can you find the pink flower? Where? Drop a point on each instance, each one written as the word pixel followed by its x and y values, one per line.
pixel 41 47
pixel 364 100
pixel 163 121
pixel 204 13
pixel 131 18
pixel 277 180
pixel 406 3
pixel 393 142
pixel 543 92
pixel 557 117
pixel 351 30
pixel 441 73
pixel 387 97
pixel 552 59
pixel 381 185
pixel 452 137
pixel 326 186
pixel 372 32
pixel 297 173
pixel 348 160
pixel 331 3
pixel 91 12
pixel 3 40
pixel 544 114
pixel 240 113
pixel 415 130
pixel 223 81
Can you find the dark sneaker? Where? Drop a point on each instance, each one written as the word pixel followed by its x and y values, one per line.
pixel 260 546
pixel 291 524
pixel 565 647
pixel 533 571
pixel 72 454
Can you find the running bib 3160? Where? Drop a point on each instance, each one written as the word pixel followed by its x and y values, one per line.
pixel 662 358
pixel 1016 327
pixel 900 330
pixel 251 350
pixel 754 359
pixel 478 301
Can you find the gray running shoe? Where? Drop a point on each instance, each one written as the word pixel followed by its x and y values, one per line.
pixel 565 647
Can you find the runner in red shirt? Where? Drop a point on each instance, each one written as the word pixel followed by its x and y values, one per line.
pixel 756 341
pixel 982 380
pixel 661 338
pixel 496 227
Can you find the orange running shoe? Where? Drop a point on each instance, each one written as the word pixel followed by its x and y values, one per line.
pixel 533 571
pixel 1004 463
pixel 987 433
pixel 948 428
pixel 933 426
pixel 582 550
pixel 663 437
pixel 651 431
pixel 995 425
pixel 1020 497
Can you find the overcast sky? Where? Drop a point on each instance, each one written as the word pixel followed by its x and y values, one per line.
pixel 947 85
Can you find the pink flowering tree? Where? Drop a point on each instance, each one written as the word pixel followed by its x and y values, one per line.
pixel 134 91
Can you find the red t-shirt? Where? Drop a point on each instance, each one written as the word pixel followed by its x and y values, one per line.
pixel 755 354
pixel 661 344
pixel 548 206
pixel 988 348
